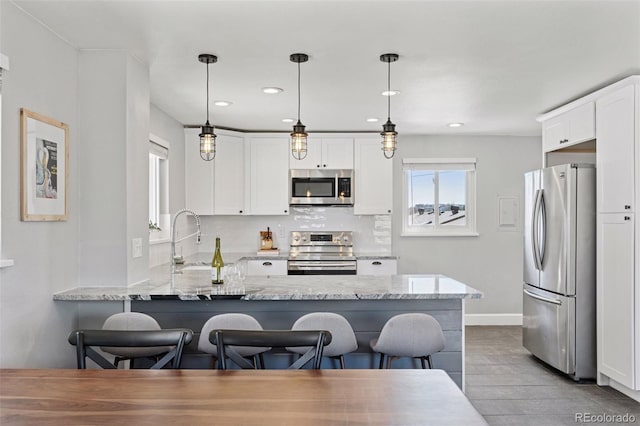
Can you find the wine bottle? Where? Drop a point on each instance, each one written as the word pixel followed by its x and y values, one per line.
pixel 216 265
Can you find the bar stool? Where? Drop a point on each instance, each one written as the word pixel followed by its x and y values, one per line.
pixel 343 339
pixel 233 322
pixel 412 335
pixel 133 321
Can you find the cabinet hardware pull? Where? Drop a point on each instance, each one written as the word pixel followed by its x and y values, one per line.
pixel 285 211
pixel 318 165
pixel 376 263
pixel 627 207
pixel 240 211
pixel 324 165
pixel 627 218
pixel 388 211
pixel 267 264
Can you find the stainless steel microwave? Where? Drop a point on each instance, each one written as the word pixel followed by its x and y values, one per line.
pixel 321 187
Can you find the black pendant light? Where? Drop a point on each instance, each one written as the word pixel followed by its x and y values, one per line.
pixel 299 136
pixel 207 137
pixel 389 129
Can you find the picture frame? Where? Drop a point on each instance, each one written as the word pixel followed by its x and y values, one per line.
pixel 44 168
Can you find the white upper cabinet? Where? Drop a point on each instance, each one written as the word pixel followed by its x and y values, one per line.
pixel 615 151
pixel 326 153
pixel 574 126
pixel 199 175
pixel 373 175
pixel 269 176
pixel 229 175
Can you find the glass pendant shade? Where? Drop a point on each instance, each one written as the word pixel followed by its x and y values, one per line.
pixel 207 143
pixel 299 141
pixel 388 139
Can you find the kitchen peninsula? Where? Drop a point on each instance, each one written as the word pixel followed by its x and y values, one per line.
pixel 187 299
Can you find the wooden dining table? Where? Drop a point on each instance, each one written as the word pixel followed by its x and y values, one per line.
pixel 233 397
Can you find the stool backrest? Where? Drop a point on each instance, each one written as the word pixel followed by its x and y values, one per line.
pixel 85 340
pixel 316 340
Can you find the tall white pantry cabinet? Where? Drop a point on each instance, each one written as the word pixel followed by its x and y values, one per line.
pixel 616 124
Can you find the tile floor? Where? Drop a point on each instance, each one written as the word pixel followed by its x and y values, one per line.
pixel 511 387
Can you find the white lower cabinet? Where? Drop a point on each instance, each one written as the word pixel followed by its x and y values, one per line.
pixel 377 267
pixel 616 295
pixel 267 267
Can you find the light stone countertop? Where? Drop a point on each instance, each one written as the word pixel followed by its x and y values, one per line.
pixel 189 284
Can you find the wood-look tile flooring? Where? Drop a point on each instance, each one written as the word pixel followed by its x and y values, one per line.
pixel 509 386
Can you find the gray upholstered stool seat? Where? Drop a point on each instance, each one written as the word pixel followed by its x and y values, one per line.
pixel 409 335
pixel 133 321
pixel 343 339
pixel 230 322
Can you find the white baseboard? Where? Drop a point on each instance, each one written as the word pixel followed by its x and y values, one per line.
pixel 493 319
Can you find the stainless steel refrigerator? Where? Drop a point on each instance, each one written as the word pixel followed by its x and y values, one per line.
pixel 559 306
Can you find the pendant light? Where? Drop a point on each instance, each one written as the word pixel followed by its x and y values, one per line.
pixel 207 137
pixel 298 136
pixel 389 129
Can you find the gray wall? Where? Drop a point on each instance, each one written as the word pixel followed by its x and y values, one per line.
pixel 43 77
pixel 492 261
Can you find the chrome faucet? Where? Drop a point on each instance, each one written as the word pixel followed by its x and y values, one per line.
pixel 179 259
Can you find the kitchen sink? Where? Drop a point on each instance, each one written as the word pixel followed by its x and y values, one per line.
pixel 196 268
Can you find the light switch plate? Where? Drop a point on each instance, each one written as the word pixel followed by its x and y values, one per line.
pixel 136 247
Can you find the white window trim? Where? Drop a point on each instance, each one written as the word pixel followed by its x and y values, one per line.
pixel 160 147
pixel 466 164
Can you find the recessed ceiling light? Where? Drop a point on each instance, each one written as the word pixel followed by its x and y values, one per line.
pixel 455 124
pixel 222 103
pixel 288 120
pixel 372 120
pixel 271 90
pixel 390 92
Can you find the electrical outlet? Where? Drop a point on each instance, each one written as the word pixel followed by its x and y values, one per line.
pixel 136 247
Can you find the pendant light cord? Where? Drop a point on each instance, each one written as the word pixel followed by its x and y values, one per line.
pixel 207 94
pixel 389 91
pixel 298 92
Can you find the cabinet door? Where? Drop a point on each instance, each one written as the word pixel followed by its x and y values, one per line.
pixel 615 130
pixel 269 191
pixel 615 295
pixel 313 159
pixel 337 153
pixel 373 175
pixel 198 176
pixel 582 125
pixel 229 175
pixel 554 133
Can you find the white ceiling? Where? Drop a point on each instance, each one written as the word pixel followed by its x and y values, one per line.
pixel 494 65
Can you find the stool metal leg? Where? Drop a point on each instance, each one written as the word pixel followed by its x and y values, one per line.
pixel 389 359
pixel 422 361
pixel 342 362
pixel 429 361
pixel 381 361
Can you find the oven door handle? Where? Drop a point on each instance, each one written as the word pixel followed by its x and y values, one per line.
pixel 324 264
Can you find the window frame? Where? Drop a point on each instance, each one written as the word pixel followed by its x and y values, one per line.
pixel 469 165
pixel 160 149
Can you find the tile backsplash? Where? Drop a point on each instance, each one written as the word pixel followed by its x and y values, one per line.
pixel 371 234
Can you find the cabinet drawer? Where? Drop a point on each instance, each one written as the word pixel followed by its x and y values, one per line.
pixel 377 267
pixel 267 267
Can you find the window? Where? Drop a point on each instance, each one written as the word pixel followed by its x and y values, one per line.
pixel 158 191
pixel 439 196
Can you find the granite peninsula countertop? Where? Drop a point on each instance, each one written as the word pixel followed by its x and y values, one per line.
pixel 196 285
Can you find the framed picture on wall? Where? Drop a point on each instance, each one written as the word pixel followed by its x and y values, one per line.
pixel 44 168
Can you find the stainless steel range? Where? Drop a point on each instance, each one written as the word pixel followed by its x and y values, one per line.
pixel 321 253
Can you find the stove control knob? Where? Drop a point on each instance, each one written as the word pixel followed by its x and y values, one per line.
pixel 304 238
pixel 345 239
pixel 296 238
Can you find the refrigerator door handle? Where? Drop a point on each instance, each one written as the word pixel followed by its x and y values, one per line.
pixel 543 218
pixel 543 299
pixel 534 231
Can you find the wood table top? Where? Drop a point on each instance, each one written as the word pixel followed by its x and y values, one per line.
pixel 238 397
